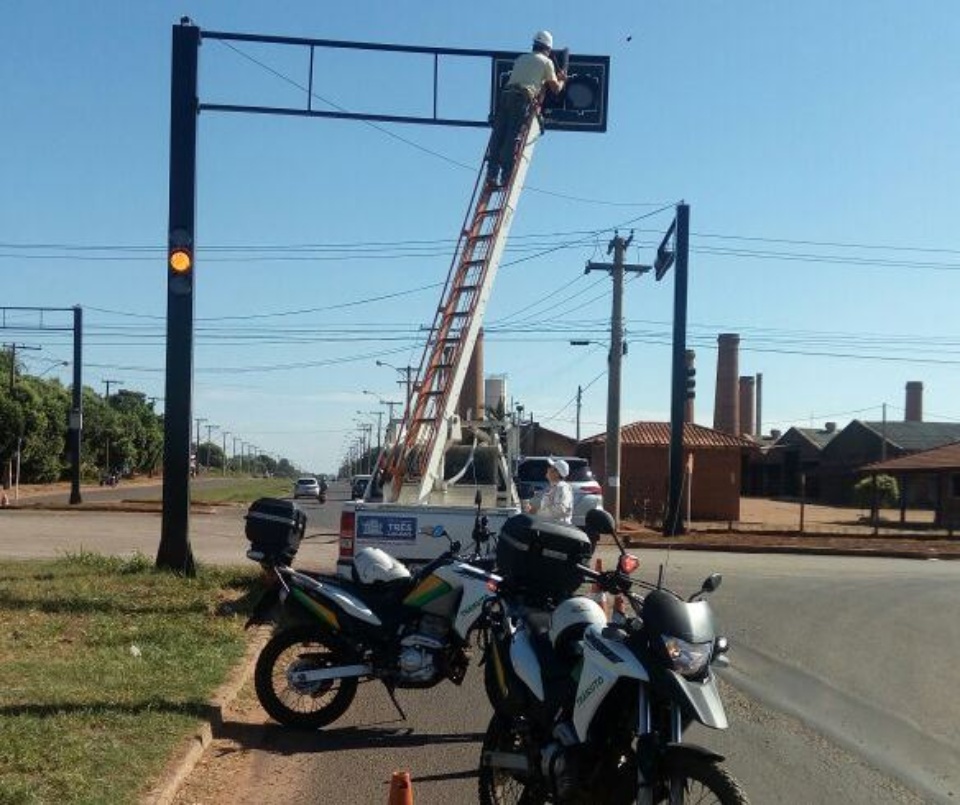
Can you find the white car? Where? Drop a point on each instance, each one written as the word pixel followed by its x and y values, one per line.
pixel 306 488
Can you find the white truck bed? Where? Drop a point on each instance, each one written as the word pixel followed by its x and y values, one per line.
pixel 406 531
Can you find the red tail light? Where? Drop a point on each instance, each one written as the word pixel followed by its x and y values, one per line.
pixel 347 522
pixel 591 489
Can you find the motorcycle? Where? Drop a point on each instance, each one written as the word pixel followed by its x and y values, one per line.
pixel 587 711
pixel 406 629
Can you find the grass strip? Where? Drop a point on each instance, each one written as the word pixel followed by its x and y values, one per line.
pixel 106 666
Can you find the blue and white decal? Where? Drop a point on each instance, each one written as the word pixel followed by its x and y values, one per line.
pixel 390 528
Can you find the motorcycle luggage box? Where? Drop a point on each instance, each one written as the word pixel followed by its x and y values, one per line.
pixel 275 527
pixel 542 556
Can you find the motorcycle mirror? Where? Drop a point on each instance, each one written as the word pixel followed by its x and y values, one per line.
pixel 478 498
pixel 711 582
pixel 438 531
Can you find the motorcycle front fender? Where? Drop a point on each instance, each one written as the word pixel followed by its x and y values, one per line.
pixel 700 699
pixel 676 756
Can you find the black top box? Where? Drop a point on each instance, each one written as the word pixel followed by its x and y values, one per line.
pixel 275 528
pixel 542 556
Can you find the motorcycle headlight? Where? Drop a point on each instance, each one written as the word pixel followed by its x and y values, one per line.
pixel 687 659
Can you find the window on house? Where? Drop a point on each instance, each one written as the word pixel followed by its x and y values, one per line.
pixel 955 485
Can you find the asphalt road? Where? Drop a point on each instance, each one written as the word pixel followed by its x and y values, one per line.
pixel 837 693
pixel 841 688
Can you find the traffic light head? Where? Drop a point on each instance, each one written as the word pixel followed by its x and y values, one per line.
pixel 691 382
pixel 180 261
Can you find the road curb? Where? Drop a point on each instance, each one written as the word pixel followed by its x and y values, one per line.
pixel 811 550
pixel 190 752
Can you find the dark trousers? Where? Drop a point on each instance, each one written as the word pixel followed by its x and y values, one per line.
pixel 512 110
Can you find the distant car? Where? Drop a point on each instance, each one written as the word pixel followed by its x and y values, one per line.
pixel 531 480
pixel 359 485
pixel 306 488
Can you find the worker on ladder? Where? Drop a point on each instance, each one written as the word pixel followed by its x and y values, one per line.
pixel 531 72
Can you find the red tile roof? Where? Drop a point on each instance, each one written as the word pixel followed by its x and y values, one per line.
pixel 657 434
pixel 938 458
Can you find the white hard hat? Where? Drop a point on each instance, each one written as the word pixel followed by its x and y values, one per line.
pixel 571 618
pixel 544 38
pixel 561 466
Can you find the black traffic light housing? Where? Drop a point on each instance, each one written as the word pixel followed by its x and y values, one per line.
pixel 581 105
pixel 691 383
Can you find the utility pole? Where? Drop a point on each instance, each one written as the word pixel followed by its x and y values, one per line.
pixel 198 420
pixel 209 445
pixel 106 397
pixel 13 360
pixel 579 405
pixel 611 489
pixel 225 433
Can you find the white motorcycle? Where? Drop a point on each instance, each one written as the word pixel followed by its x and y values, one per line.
pixel 591 712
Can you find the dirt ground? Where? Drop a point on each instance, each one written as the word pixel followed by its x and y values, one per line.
pixel 775 526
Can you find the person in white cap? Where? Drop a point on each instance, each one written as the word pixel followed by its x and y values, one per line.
pixel 556 503
pixel 531 71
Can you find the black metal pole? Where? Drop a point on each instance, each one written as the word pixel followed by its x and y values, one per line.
pixel 75 424
pixel 678 396
pixel 174 552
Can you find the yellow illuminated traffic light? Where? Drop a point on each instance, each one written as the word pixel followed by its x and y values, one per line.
pixel 181 260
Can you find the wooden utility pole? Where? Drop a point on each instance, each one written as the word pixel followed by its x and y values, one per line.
pixel 611 486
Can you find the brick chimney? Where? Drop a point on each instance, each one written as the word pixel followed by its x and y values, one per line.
pixel 470 405
pixel 726 407
pixel 746 404
pixel 914 406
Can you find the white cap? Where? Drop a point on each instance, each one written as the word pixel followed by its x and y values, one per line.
pixel 561 466
pixel 544 38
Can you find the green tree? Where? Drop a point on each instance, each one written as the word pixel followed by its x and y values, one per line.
pixel 888 491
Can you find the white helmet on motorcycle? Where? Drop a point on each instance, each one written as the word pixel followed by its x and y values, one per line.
pixel 372 565
pixel 570 620
pixel 544 39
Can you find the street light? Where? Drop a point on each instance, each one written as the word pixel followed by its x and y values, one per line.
pixel 52 366
pixel 407 371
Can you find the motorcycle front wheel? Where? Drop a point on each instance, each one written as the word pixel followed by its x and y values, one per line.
pixel 702 781
pixel 297 704
pixel 498 786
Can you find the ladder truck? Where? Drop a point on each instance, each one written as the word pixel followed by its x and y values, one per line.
pixel 441 471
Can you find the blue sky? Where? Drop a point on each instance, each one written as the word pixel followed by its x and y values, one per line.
pixel 816 144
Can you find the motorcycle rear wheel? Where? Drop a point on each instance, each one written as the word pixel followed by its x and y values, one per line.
pixel 311 705
pixel 702 781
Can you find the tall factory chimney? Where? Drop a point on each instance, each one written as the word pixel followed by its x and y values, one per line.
pixel 471 395
pixel 914 406
pixel 746 404
pixel 688 405
pixel 726 407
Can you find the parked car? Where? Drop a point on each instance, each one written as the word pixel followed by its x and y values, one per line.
pixel 306 487
pixel 531 480
pixel 358 485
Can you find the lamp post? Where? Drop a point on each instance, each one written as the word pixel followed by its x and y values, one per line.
pixel 407 372
pixel 225 433
pixel 106 397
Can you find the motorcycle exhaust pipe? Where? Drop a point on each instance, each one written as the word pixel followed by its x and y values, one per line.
pixel 337 672
pixel 506 760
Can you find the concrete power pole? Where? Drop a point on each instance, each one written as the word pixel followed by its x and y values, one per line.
pixel 611 487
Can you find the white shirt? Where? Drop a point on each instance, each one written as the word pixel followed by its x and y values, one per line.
pixel 531 71
pixel 557 503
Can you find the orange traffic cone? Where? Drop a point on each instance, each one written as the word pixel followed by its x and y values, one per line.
pixel 401 789
pixel 598 594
